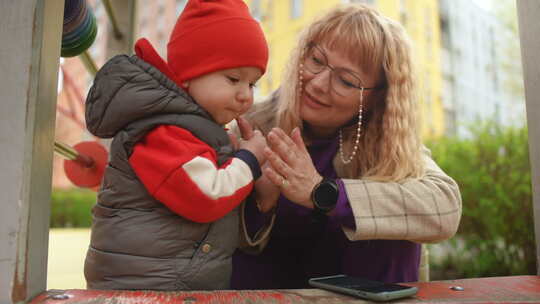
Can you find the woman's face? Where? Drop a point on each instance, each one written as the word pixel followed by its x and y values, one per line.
pixel 331 89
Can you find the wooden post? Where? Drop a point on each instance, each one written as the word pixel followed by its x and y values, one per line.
pixel 30 32
pixel 529 31
pixel 124 12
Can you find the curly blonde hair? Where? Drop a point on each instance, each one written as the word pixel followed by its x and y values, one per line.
pixel 390 145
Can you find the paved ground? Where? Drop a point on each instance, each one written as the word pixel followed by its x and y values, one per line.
pixel 67 249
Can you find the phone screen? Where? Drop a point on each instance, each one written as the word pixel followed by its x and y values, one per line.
pixel 363 284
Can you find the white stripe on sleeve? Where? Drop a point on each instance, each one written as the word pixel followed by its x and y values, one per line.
pixel 215 182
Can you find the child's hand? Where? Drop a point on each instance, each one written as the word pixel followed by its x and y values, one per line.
pixel 246 130
pixel 234 141
pixel 256 145
pixel 266 194
pixel 252 140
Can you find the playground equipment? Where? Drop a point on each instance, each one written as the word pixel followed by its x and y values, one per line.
pixel 79 29
pixel 28 88
pixel 85 162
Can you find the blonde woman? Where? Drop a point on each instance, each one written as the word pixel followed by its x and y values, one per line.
pixel 349 187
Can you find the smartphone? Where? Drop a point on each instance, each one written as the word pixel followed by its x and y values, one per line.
pixel 363 288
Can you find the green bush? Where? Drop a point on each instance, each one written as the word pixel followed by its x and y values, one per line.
pixel 72 208
pixel 496 233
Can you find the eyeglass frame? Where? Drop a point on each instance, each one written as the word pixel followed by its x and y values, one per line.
pixel 332 70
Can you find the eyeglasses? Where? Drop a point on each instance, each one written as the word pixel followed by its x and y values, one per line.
pixel 342 81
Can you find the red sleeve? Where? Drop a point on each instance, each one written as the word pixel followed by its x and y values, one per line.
pixel 181 171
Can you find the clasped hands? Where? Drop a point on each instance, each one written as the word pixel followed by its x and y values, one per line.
pixel 287 167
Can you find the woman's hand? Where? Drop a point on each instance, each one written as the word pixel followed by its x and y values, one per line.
pixel 291 168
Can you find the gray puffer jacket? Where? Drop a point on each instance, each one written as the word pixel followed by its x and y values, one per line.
pixel 136 242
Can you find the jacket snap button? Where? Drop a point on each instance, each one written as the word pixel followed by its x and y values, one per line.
pixel 206 248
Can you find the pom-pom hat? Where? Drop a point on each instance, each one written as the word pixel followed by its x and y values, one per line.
pixel 210 35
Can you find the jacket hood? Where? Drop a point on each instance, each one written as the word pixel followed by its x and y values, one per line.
pixel 127 89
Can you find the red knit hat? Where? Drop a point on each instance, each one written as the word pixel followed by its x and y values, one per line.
pixel 210 35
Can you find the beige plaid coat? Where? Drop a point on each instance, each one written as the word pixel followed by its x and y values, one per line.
pixel 426 209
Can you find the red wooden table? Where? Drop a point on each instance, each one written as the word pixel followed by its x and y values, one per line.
pixel 514 289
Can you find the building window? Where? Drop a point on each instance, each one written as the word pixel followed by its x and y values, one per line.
pixel 429 34
pixel 255 8
pixel 445 32
pixel 268 15
pixel 403 12
pixel 180 4
pixel 296 9
pixel 269 81
pixel 371 2
pixel 161 21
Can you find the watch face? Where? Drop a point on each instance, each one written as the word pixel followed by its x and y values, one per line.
pixel 326 195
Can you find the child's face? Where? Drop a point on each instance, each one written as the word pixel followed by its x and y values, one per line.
pixel 225 94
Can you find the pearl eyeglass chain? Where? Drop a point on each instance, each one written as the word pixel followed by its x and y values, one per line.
pixel 358 132
pixel 300 75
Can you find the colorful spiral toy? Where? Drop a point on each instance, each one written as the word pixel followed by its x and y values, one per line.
pixel 80 28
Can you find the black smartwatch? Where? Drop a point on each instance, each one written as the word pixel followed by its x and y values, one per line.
pixel 325 196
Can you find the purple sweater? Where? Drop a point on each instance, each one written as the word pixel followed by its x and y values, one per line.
pixel 300 248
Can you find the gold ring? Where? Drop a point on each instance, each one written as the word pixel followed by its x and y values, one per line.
pixel 284 182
